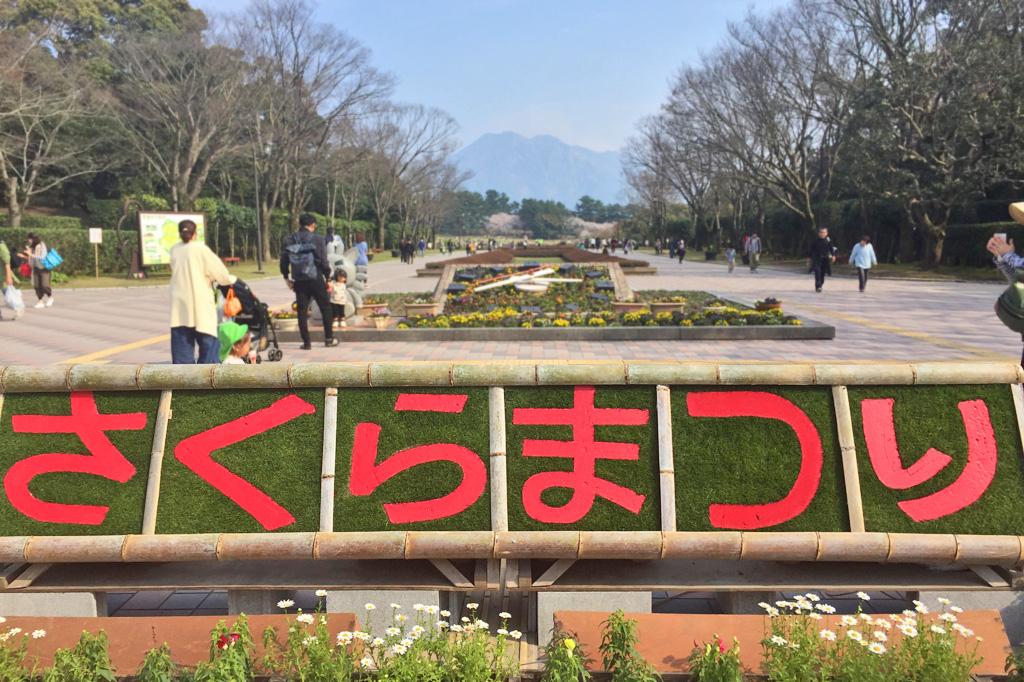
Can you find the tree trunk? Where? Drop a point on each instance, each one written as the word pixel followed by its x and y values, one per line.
pixel 13 205
pixel 382 225
pixel 266 214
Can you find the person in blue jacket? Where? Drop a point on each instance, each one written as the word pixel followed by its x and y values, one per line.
pixel 863 258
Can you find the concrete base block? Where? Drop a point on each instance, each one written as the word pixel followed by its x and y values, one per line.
pixel 1009 604
pixel 80 604
pixel 354 601
pixel 739 603
pixel 256 602
pixel 549 602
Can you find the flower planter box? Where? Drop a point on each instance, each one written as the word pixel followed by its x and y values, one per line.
pixel 290 324
pixel 665 307
pixel 628 306
pixel 380 322
pixel 368 309
pixel 769 306
pixel 420 309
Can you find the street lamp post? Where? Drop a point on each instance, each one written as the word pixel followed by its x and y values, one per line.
pixel 259 229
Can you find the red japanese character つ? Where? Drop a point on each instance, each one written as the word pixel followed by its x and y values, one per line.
pixel 196 453
pixel 583 481
pixel 367 475
pixel 104 459
pixel 765 406
pixel 974 480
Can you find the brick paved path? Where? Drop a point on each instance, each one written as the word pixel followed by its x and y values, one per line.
pixel 894 320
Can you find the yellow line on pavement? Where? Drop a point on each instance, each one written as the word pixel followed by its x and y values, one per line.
pixel 918 336
pixel 115 350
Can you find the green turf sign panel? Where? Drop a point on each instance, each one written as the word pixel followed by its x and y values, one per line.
pixel 931 459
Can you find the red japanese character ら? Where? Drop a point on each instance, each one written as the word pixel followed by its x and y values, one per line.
pixel 104 459
pixel 582 481
pixel 367 475
pixel 970 485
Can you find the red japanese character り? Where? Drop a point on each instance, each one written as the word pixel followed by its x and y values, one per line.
pixel 583 481
pixel 974 480
pixel 765 406
pixel 104 459
pixel 367 475
pixel 196 453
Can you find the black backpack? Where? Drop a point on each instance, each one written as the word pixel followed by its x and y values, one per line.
pixel 302 259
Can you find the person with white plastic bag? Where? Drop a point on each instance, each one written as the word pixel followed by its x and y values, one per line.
pixel 12 297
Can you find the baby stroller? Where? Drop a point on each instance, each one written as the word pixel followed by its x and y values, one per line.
pixel 256 315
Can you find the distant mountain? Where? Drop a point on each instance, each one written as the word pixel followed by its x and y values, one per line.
pixel 541 167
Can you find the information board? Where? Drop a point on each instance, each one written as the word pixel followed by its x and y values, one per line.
pixel 158 232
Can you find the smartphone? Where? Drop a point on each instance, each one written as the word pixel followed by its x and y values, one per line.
pixel 1000 235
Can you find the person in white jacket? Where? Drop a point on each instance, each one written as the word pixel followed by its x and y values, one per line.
pixel 863 258
pixel 194 271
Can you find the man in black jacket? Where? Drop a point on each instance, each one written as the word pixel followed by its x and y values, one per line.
pixel 822 255
pixel 305 268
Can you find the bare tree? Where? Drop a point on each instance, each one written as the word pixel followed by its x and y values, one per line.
pixel 410 142
pixel 45 110
pixel 311 79
pixel 182 106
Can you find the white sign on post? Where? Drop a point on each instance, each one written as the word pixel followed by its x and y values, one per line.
pixel 95 235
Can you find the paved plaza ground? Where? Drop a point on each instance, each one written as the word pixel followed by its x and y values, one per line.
pixel 894 320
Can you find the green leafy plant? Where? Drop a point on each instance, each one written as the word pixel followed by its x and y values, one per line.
pixel 158 666
pixel 565 661
pixel 88 661
pixel 712 662
pixel 14 654
pixel 231 654
pixel 1014 667
pixel 618 651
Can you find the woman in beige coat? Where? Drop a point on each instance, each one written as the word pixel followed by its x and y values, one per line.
pixel 195 269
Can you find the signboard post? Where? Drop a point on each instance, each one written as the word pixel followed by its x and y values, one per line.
pixel 158 232
pixel 96 238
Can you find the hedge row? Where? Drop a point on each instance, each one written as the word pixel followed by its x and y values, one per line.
pixel 75 249
pixel 45 222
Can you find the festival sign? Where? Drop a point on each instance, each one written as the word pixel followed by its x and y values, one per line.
pixel 942 458
pixel 158 232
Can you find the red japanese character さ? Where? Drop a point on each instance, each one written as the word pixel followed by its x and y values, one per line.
pixel 104 459
pixel 583 481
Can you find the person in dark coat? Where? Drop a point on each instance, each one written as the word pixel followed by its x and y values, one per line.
pixel 306 269
pixel 822 254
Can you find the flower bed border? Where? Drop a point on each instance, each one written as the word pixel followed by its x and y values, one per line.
pixel 809 330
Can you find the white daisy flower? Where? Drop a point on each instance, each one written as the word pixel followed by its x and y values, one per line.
pixel 825 608
pixel 764 605
pixel 366 662
pixel 505 614
pixel 778 641
pixel 812 597
pixel 863 596
pixel 956 609
pixel 938 629
pixel 884 624
pixel 502 631
pixel 814 615
pixel 417 630
pixel 854 635
pixel 344 637
pixel 515 634
pixel 432 610
pixel 472 606
pixel 446 614
pixel 827 635
pixel 398 649
pixel 442 624
pixel 406 642
pixel 392 631
pixel 948 617
pixel 943 601
pixel 306 618
pixel 369 607
pixel 395 606
pixel 482 625
pixel 880 636
pixel 378 642
pixel 362 636
pixel 456 628
pixel 848 621
pixel 772 611
pixel 285 604
pixel 418 608
pixel 465 619
pixel 876 648
pixel 908 630
pixel 38 634
pixel 963 631
pixel 321 593
pixel 401 617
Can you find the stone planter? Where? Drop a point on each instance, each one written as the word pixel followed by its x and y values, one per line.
pixel 621 307
pixel 420 309
pixel 769 306
pixel 380 322
pixel 287 325
pixel 665 307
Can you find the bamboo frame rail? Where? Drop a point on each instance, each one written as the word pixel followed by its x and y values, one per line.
pixel 932 549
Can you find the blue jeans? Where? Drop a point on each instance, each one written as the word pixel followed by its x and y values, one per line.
pixel 183 347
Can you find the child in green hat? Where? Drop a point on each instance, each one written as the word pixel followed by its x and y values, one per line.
pixel 235 340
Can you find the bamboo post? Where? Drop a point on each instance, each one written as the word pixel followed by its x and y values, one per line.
pixel 499 463
pixel 1016 390
pixel 851 476
pixel 156 464
pixel 666 464
pixel 327 469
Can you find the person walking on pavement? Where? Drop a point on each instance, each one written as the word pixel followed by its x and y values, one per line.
pixel 194 271
pixel 35 253
pixel 8 276
pixel 863 258
pixel 305 268
pixel 752 250
pixel 822 254
pixel 681 250
pixel 730 257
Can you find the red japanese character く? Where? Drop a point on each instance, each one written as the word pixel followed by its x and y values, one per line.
pixel 765 406
pixel 104 459
pixel 974 480
pixel 196 453
pixel 367 475
pixel 583 481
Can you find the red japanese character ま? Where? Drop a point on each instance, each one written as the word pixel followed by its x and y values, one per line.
pixel 974 480
pixel 367 475
pixel 765 406
pixel 583 481
pixel 104 459
pixel 196 453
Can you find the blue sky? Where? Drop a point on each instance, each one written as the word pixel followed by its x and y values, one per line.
pixel 584 71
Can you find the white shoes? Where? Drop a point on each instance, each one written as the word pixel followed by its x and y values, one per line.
pixel 45 302
pixel 40 304
pixel 49 300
